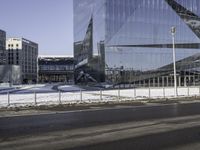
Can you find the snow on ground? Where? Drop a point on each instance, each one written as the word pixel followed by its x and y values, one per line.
pixel 6 90
pixel 24 89
pixel 39 88
pixel 66 88
pixel 5 87
pixel 76 95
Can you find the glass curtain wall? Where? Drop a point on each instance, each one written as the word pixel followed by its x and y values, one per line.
pixel 89 36
pixel 132 43
pixel 139 43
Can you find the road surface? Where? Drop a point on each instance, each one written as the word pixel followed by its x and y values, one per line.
pixel 171 126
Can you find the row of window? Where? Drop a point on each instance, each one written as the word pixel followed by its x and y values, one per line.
pixel 12 45
pixel 58 68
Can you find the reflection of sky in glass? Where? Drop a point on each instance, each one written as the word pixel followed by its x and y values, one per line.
pixel 135 22
pixel 148 23
pixel 144 58
pixel 83 11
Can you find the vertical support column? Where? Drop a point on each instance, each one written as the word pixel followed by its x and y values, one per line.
pixel 163 81
pixel 158 82
pixel 185 81
pixel 167 81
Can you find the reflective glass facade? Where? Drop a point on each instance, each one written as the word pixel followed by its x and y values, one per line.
pixel 129 41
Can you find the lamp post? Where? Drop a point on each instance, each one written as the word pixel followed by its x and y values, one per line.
pixel 173 32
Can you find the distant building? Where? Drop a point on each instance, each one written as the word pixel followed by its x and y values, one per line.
pixel 56 69
pixel 2 47
pixel 23 53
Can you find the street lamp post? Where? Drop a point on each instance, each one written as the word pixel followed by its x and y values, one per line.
pixel 173 32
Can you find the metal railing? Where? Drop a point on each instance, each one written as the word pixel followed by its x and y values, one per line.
pixel 55 98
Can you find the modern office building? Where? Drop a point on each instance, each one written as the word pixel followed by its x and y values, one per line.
pixel 129 41
pixel 56 69
pixel 2 47
pixel 23 53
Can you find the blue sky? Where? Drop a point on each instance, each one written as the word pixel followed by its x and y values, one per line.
pixel 47 22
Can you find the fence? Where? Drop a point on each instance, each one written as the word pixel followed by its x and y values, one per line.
pixel 32 99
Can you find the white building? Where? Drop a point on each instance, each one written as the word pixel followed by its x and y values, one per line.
pixel 24 53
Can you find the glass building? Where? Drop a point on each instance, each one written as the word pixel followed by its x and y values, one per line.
pixel 129 41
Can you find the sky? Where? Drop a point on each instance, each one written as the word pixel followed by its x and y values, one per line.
pixel 46 22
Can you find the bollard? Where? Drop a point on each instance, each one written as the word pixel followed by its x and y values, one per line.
pixel 100 95
pixel 35 98
pixel 60 101
pixel 81 96
pixel 163 92
pixel 188 91
pixel 8 99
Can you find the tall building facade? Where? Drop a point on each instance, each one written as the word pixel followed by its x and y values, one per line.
pixel 129 41
pixel 23 53
pixel 2 47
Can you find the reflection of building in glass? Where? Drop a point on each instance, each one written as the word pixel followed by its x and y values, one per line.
pixel 2 47
pixel 23 53
pixel 10 74
pixel 56 69
pixel 129 41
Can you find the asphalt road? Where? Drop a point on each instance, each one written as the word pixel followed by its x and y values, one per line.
pixel 22 125
pixel 185 139
pixel 35 125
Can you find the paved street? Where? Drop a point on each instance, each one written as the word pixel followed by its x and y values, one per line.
pixel 139 127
